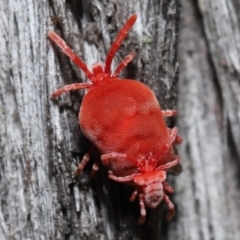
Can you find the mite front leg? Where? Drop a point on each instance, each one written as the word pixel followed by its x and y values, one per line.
pixel 134 195
pixel 169 113
pixel 84 161
pixel 107 157
pixel 95 168
pixel 167 187
pixel 142 218
pixel 178 139
pixel 172 137
pixel 122 179
pixel 175 162
pixel 171 207
pixel 168 143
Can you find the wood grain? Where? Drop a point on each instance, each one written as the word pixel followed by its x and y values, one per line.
pixel 207 192
pixel 40 140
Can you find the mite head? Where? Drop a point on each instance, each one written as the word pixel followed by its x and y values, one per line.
pixel 147 163
pixel 150 184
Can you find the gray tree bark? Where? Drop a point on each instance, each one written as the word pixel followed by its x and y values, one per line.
pixel 41 142
pixel 40 139
pixel 207 192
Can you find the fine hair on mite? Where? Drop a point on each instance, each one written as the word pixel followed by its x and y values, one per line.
pixel 125 123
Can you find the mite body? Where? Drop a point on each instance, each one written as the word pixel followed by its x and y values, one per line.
pixel 124 121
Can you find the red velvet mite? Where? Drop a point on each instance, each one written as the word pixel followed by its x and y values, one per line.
pixel 124 121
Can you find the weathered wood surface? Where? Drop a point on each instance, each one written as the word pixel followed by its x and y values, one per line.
pixel 40 140
pixel 207 192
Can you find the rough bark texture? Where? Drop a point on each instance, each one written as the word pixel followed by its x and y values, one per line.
pixel 40 140
pixel 207 192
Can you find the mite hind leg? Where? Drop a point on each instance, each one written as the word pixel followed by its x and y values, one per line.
pixel 70 87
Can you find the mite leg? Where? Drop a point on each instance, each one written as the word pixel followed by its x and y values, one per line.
pixel 67 88
pixel 177 140
pixel 117 43
pixel 168 144
pixel 124 63
pixel 134 195
pixel 175 162
pixel 122 179
pixel 169 113
pixel 95 168
pixel 106 158
pixel 167 187
pixel 84 161
pixel 142 218
pixel 69 52
pixel 171 207
pixel 172 137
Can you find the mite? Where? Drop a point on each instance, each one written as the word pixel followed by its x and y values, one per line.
pixel 124 122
